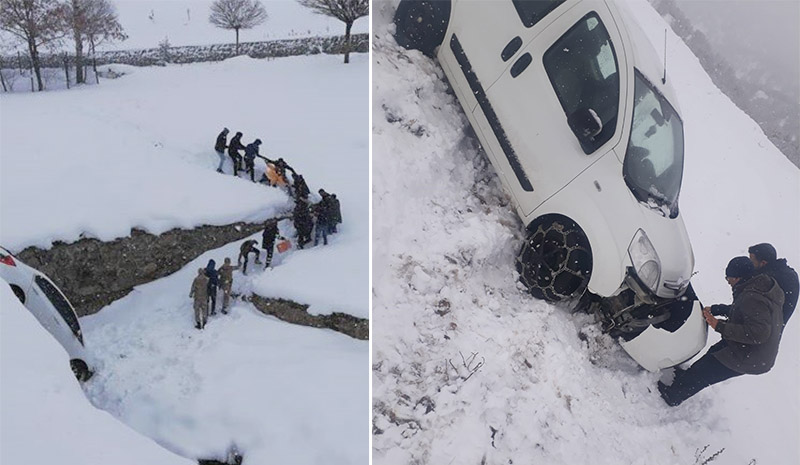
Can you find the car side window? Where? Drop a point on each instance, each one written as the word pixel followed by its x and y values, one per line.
pixel 531 11
pixel 61 304
pixel 583 69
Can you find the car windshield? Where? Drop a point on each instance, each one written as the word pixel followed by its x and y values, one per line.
pixel 653 166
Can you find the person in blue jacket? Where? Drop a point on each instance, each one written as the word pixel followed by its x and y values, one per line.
pixel 250 154
pixel 213 283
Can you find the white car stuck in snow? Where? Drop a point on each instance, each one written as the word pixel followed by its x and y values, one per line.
pixel 47 303
pixel 568 102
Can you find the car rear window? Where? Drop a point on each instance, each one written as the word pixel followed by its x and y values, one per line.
pixel 582 67
pixel 531 11
pixel 61 304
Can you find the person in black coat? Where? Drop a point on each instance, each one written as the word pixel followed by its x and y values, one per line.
pixel 301 190
pixel 213 282
pixel 248 247
pixel 268 240
pixel 336 213
pixel 250 154
pixel 765 260
pixel 220 147
pixel 302 223
pixel 233 151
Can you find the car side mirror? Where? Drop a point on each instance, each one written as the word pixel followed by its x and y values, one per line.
pixel 585 123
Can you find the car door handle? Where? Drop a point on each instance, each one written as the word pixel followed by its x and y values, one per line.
pixel 511 48
pixel 521 64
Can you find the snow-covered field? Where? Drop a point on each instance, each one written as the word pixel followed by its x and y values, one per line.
pixel 138 152
pixel 46 418
pixel 185 22
pixel 544 386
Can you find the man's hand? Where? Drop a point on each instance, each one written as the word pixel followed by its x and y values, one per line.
pixel 710 319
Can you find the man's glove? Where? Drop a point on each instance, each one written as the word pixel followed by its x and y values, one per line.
pixel 720 310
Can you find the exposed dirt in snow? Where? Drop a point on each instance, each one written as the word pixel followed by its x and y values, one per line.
pixel 293 312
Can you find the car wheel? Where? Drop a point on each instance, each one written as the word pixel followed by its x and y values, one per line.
pixel 18 292
pixel 555 261
pixel 421 25
pixel 80 369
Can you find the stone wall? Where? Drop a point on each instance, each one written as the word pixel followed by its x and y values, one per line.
pixel 201 53
pixel 93 273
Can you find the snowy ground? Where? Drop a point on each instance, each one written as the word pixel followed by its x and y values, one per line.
pixel 41 404
pixel 138 152
pixel 551 388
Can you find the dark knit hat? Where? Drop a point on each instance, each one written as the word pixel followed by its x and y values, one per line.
pixel 764 252
pixel 739 267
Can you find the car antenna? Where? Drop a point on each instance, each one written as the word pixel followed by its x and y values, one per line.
pixel 664 79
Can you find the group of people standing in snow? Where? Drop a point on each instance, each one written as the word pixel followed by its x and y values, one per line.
pixel 765 291
pixel 321 217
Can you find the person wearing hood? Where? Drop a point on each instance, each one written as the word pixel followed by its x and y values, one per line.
pixel 336 213
pixel 750 334
pixel 233 151
pixel 765 259
pixel 250 154
pixel 303 223
pixel 220 147
pixel 199 293
pixel 301 190
pixel 213 283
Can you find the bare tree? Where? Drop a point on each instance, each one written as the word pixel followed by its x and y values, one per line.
pixel 92 21
pixel 237 14
pixel 346 11
pixel 36 23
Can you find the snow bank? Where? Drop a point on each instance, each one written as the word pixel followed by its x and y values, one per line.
pixel 544 386
pixel 280 393
pixel 46 418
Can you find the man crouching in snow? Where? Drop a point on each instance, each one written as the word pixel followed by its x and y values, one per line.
pixel 200 294
pixel 750 335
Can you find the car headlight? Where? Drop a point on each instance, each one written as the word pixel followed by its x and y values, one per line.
pixel 645 260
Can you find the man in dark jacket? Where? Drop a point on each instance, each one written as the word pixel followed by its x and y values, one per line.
pixel 322 212
pixel 302 222
pixel 213 282
pixel 250 154
pixel 300 187
pixel 245 250
pixel 268 240
pixel 220 147
pixel 750 335
pixel 233 151
pixel 336 213
pixel 765 259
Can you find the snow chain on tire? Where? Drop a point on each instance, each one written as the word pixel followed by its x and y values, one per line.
pixel 555 262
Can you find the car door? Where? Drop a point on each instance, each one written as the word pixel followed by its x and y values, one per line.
pixel 575 63
pixel 487 33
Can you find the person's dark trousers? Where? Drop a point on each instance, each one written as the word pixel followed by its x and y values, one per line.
pixel 268 259
pixel 703 373
pixel 251 168
pixel 212 296
pixel 236 164
pixel 247 258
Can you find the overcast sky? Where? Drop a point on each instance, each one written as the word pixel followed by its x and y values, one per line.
pixel 744 31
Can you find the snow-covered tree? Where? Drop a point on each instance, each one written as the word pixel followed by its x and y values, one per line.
pixel 346 11
pixel 34 22
pixel 237 14
pixel 92 21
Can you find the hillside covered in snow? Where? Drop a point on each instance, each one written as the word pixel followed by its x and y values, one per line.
pixel 137 152
pixel 468 368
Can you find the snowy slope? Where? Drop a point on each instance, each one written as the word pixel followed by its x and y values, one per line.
pixel 137 152
pixel 185 22
pixel 551 388
pixel 46 418
pixel 280 393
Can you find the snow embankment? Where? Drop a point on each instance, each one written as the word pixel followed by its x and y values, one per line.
pixel 278 392
pixel 536 384
pixel 46 418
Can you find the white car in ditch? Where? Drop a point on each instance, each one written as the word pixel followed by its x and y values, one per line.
pixel 568 101
pixel 47 303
